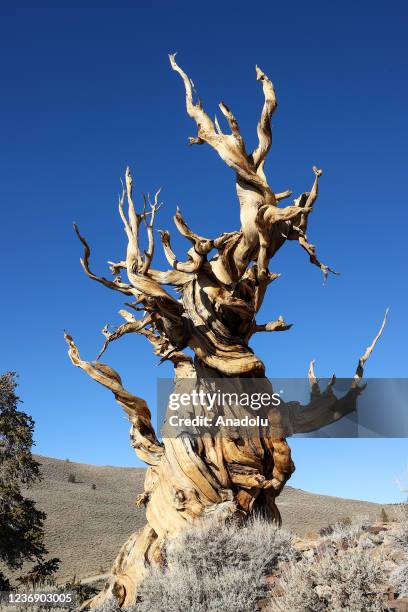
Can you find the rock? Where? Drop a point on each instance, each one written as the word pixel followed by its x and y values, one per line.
pixel 376 539
pixel 389 565
pixel 399 604
pixel 309 554
pixel 366 542
pixel 396 554
pixel 376 529
pixel 323 591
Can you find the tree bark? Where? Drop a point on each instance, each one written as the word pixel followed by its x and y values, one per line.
pixel 219 291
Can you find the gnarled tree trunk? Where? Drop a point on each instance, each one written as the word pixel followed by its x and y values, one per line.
pixel 214 315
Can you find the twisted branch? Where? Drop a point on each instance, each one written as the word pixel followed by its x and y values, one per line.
pixel 143 436
pixel 115 285
pixel 264 125
pixel 299 226
pixel 230 147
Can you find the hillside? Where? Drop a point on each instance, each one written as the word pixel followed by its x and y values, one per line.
pixel 85 527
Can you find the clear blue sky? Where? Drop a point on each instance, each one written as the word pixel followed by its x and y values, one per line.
pixel 87 89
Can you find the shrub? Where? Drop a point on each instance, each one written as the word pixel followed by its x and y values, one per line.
pixel 346 581
pixel 71 477
pixel 111 606
pixel 400 535
pixel 326 531
pixel 349 530
pixel 339 527
pixel 216 567
pixel 399 580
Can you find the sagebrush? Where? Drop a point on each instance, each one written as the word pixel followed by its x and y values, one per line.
pixel 344 576
pixel 348 581
pixel 401 534
pixel 215 567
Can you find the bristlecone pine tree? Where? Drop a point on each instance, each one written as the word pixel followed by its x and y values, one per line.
pixel 221 287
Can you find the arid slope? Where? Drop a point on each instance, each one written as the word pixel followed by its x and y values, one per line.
pixel 85 527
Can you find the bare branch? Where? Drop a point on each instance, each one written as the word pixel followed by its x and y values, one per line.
pixel 137 269
pixel 314 384
pixel 283 195
pixel 202 245
pixel 117 286
pixel 195 260
pixel 195 111
pixel 163 348
pixel 311 373
pixel 133 257
pixel 131 327
pixel 150 249
pixel 134 219
pixel 360 366
pixel 143 436
pixel 273 326
pixel 229 147
pixel 217 125
pixel 311 250
pixel 233 123
pixel 135 304
pixel 168 251
pixel 264 125
pixel 127 315
pixel 315 188
pixel 170 277
pixel 115 268
pixel 298 227
pixel 268 215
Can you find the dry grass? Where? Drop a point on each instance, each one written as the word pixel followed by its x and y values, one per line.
pixel 85 527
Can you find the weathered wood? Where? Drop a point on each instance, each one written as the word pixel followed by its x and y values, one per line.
pixel 214 315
